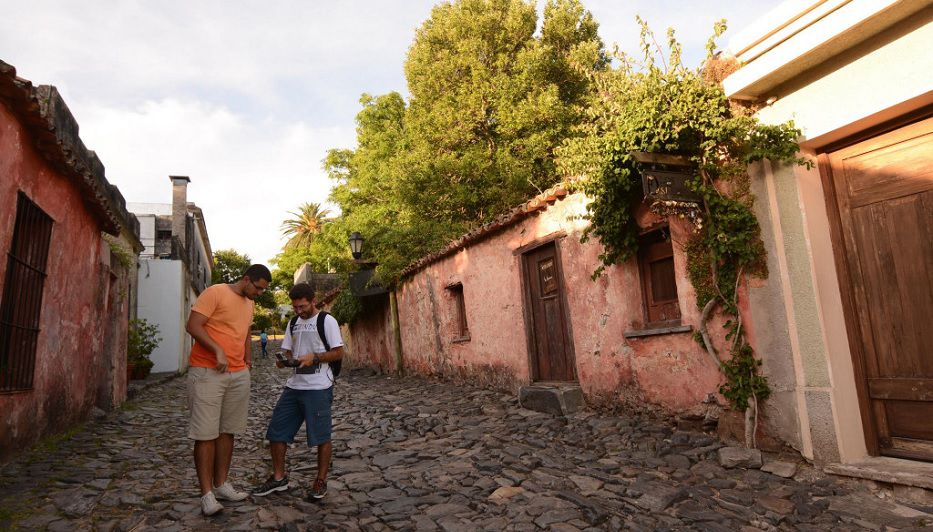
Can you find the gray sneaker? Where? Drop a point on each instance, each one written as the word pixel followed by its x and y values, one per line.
pixel 225 492
pixel 270 485
pixel 209 505
pixel 318 489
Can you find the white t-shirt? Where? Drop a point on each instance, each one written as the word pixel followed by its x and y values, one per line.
pixel 307 341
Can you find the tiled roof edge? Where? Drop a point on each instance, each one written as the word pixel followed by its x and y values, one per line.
pixel 533 206
pixel 54 131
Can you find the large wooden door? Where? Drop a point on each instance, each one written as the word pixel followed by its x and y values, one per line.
pixel 884 191
pixel 552 355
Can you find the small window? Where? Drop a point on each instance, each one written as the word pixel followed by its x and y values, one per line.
pixel 659 284
pixel 21 305
pixel 462 331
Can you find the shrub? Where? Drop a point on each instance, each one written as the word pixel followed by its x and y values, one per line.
pixel 142 339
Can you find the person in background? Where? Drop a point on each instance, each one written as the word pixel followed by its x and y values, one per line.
pixel 263 339
pixel 219 380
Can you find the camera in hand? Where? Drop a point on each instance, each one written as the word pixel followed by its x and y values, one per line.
pixel 295 363
pixel 287 362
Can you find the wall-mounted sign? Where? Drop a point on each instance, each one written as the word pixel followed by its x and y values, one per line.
pixel 664 177
pixel 548 276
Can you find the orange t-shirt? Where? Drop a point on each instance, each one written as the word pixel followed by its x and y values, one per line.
pixel 229 317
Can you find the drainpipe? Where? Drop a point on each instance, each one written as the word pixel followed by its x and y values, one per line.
pixel 396 333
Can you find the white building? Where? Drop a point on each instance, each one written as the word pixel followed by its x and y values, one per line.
pixel 175 267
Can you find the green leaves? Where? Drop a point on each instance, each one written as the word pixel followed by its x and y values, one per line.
pixel 660 106
pixel 229 266
pixel 142 339
pixel 490 103
pixel 346 307
pixel 742 379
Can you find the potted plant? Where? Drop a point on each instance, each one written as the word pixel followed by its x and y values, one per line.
pixel 142 339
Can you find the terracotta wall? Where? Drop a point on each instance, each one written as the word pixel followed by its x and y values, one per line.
pixel 368 341
pixel 670 370
pixel 73 372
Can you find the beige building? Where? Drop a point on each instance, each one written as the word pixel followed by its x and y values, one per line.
pixel 847 336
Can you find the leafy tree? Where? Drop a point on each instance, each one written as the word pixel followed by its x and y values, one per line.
pixel 228 266
pixel 264 318
pixel 490 101
pixel 307 222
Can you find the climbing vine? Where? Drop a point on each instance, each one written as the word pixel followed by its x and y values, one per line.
pixel 347 307
pixel 658 105
pixel 123 255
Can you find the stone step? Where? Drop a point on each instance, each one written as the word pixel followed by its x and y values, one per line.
pixel 556 399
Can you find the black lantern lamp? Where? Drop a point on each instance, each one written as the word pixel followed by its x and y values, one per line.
pixel 361 282
pixel 356 245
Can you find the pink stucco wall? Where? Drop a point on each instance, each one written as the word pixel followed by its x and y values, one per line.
pixel 670 370
pixel 368 340
pixel 82 303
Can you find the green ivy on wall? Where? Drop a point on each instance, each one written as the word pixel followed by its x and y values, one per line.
pixel 658 105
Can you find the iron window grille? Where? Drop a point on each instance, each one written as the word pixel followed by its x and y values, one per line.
pixel 21 305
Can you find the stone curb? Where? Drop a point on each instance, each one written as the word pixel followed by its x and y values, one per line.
pixel 134 388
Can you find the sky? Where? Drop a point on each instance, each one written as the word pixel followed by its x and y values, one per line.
pixel 246 98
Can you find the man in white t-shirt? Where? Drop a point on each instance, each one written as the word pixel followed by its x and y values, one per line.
pixel 308 394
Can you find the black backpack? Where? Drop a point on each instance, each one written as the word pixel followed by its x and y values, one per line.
pixel 336 365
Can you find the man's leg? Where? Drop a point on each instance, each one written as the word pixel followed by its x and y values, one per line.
pixel 319 426
pixel 205 398
pixel 285 422
pixel 278 450
pixel 223 456
pixel 324 452
pixel 204 451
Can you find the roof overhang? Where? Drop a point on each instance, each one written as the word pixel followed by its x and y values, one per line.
pixel 799 35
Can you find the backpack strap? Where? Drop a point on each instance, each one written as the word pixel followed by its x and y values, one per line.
pixel 320 329
pixel 291 327
pixel 336 365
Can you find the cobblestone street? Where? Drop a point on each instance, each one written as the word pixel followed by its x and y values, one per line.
pixel 416 454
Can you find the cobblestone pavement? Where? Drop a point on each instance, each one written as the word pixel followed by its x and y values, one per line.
pixel 417 454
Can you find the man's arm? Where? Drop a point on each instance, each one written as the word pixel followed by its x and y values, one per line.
pixel 333 355
pixel 196 329
pixel 248 353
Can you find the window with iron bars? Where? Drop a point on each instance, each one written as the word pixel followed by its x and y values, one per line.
pixel 21 304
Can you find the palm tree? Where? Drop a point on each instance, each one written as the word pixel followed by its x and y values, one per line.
pixel 307 222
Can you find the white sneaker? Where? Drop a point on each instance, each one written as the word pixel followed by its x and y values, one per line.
pixel 225 492
pixel 209 505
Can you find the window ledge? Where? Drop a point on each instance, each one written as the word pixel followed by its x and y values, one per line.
pixel 657 331
pixel 461 339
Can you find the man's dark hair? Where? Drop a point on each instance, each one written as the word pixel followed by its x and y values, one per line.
pixel 302 291
pixel 256 272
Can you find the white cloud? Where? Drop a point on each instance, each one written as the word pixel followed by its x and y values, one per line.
pixel 245 175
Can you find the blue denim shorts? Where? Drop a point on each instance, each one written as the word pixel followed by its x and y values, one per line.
pixel 311 407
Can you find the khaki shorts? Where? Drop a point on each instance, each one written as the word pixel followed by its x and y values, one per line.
pixel 218 402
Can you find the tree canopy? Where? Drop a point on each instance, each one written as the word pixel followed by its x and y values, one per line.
pixel 490 102
pixel 229 266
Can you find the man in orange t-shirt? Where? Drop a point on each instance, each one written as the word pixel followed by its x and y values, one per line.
pixel 218 379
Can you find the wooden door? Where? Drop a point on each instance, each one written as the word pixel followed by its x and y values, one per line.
pixel 552 354
pixel 884 192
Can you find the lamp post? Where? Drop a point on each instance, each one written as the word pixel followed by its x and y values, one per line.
pixel 356 245
pixel 360 287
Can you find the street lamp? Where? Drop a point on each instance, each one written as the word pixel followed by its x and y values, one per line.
pixel 356 245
